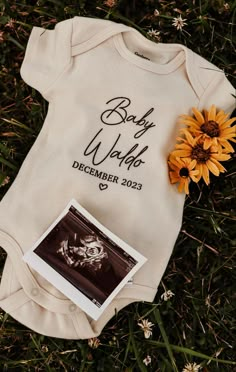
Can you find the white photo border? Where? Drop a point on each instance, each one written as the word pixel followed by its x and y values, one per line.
pixel 62 284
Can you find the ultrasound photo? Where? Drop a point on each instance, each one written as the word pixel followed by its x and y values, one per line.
pixel 93 263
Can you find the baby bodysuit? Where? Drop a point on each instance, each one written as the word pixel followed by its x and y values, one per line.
pixel 114 100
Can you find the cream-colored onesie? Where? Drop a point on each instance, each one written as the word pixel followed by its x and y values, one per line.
pixel 114 99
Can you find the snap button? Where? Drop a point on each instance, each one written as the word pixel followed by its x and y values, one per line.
pixel 35 291
pixel 72 307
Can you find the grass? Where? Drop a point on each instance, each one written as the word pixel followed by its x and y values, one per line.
pixel 198 323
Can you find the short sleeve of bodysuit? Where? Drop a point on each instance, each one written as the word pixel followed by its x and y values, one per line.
pixel 215 87
pixel 48 52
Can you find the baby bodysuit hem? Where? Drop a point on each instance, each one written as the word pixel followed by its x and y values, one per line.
pixel 33 295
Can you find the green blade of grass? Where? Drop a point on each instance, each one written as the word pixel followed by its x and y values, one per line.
pixel 18 124
pixel 40 352
pixel 2 178
pixel 4 150
pixel 127 349
pixel 165 338
pixel 191 352
pixel 22 361
pixel 14 41
pixel 136 353
pixel 7 163
pixel 222 214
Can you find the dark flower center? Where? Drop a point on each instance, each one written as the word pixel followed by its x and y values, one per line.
pixel 211 128
pixel 184 172
pixel 200 154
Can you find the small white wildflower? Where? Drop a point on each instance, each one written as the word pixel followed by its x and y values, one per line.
pixel 178 22
pixel 156 13
pixel 154 34
pixel 146 327
pixel 10 24
pixel 1 36
pixel 208 301
pixel 5 181
pixel 94 342
pixel 226 6
pixel 147 360
pixel 167 295
pixel 191 367
pixel 44 348
pixel 113 341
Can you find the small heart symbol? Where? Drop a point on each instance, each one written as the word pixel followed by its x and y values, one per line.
pixel 103 186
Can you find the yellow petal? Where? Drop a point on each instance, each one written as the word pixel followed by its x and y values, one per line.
pixel 215 141
pixel 212 113
pixel 194 172
pixel 198 115
pixel 182 153
pixel 192 164
pixel 183 146
pixel 221 116
pixel 221 157
pixel 173 179
pixel 207 143
pixel 229 130
pixel 212 167
pixel 194 178
pixel 173 168
pixel 181 186
pixel 190 123
pixel 199 168
pixel 221 119
pixel 227 145
pixel 186 189
pixel 229 137
pixel 219 165
pixel 227 123
pixel 205 174
pixel 181 139
pixel 176 163
pixel 189 138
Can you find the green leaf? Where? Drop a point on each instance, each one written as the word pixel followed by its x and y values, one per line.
pixel 191 352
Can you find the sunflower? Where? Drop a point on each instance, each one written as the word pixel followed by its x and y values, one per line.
pixel 182 171
pixel 212 126
pixel 206 159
